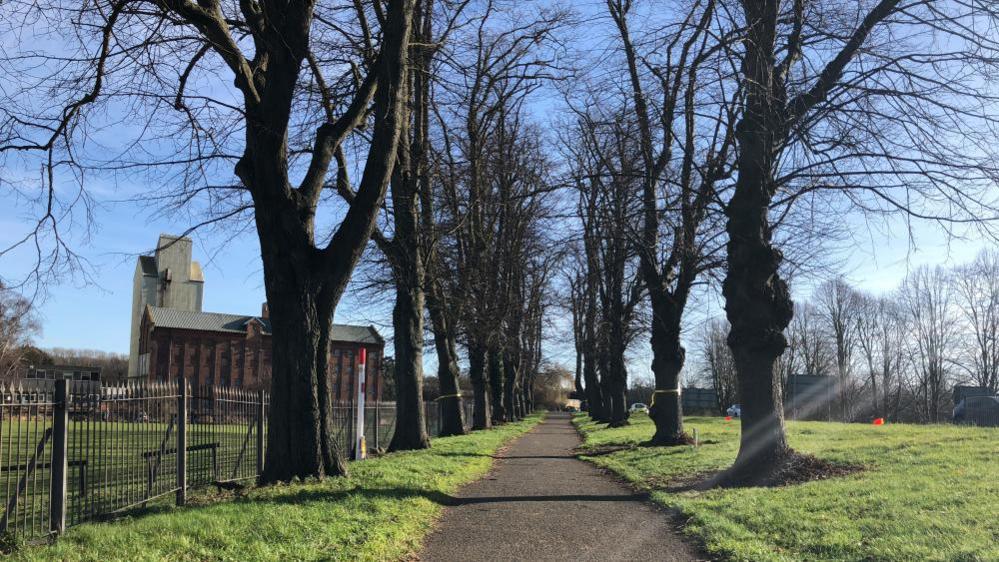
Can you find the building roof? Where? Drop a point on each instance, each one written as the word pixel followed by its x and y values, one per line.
pixel 88 368
pixel 236 323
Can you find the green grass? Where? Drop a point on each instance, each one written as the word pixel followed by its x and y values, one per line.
pixel 926 492
pixel 381 512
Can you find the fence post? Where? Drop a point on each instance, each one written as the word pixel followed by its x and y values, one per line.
pixel 260 432
pixel 60 468
pixel 378 424
pixel 182 442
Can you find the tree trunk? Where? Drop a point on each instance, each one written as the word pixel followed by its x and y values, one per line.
pixel 300 439
pixel 594 393
pixel 525 397
pixel 452 414
pixel 407 321
pixel 757 301
pixel 481 416
pixel 496 386
pixel 617 383
pixel 510 387
pixel 668 356
pixel 404 255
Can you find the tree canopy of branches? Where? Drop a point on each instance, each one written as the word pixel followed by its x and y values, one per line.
pixel 493 186
pixel 683 114
pixel 304 77
pixel 857 106
pixel 604 172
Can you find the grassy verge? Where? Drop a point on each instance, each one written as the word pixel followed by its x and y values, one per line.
pixel 926 493
pixel 381 512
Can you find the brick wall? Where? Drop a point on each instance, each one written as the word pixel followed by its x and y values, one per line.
pixel 244 360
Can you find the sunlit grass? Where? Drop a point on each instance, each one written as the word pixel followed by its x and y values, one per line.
pixel 382 512
pixel 926 492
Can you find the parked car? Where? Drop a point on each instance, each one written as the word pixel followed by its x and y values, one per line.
pixel 735 410
pixel 638 407
pixel 978 410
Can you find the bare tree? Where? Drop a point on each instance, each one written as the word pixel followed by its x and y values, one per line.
pixel 718 366
pixel 604 171
pixel 852 106
pixel 686 144
pixel 881 335
pixel 304 78
pixel 977 293
pixel 839 307
pixel 816 356
pixel 503 59
pixel 928 297
pixel 18 324
pixel 576 283
pixel 406 250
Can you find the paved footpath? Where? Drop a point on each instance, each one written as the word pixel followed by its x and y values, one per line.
pixel 541 503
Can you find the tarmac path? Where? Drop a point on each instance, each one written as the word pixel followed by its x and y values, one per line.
pixel 539 502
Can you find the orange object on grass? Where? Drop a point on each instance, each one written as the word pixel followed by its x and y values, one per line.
pixel 879 421
pixel 728 418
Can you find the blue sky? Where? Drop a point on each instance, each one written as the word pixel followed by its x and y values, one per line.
pixel 96 316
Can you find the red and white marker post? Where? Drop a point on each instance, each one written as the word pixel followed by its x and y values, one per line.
pixel 360 446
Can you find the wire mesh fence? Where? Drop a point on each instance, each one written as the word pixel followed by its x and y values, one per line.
pixel 71 453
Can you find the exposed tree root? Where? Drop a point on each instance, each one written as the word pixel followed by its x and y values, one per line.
pixel 670 441
pixel 792 468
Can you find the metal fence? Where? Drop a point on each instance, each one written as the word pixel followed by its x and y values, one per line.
pixel 379 422
pixel 72 453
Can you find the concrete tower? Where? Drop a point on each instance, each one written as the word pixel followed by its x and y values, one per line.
pixel 168 279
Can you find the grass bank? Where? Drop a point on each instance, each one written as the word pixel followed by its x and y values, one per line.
pixel 926 492
pixel 382 512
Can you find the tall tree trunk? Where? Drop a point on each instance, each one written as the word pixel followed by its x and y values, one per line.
pixel 606 386
pixel 404 255
pixel 668 356
pixel 594 393
pixel 407 321
pixel 445 344
pixel 495 358
pixel 757 301
pixel 481 416
pixel 520 391
pixel 529 405
pixel 618 382
pixel 452 414
pixel 666 409
pixel 300 439
pixel 510 369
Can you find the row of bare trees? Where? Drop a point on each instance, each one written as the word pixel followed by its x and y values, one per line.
pixel 706 142
pixel 896 355
pixel 320 126
pixel 469 200
pixel 724 137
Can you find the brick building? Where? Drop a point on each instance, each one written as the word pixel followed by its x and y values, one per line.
pixel 171 336
pixel 212 349
pixel 169 278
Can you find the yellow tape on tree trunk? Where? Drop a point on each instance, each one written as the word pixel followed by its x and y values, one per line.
pixel 668 391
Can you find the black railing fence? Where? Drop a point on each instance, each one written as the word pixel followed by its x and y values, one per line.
pixel 71 453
